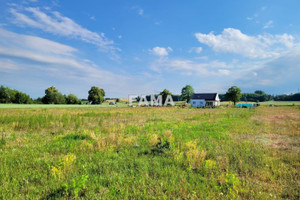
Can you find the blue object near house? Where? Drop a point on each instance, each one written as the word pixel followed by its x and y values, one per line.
pixel 245 105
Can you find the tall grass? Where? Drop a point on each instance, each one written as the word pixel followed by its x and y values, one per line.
pixel 149 153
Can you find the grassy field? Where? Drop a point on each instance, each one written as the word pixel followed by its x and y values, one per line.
pixel 281 103
pixel 149 153
pixel 124 104
pixel 267 103
pixel 103 105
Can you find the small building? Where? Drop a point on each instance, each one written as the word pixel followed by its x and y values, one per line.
pixel 205 100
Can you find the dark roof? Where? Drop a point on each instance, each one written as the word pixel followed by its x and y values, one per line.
pixel 206 96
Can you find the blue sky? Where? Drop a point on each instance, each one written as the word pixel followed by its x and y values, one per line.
pixel 143 47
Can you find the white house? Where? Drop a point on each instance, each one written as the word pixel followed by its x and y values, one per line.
pixel 205 99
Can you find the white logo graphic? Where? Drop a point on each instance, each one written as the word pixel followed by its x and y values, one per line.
pixel 153 101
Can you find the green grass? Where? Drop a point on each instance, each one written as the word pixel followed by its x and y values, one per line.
pixel 267 103
pixel 103 105
pixel 149 153
pixel 61 105
pixel 281 103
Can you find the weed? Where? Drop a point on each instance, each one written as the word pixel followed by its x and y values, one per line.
pixel 78 186
pixel 56 172
pixel 2 140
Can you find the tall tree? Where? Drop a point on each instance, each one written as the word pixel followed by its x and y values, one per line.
pixel 164 94
pixel 4 95
pixel 233 94
pixel 186 93
pixel 22 98
pixel 96 95
pixel 72 99
pixel 53 96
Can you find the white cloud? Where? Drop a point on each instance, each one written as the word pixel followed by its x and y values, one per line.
pixel 55 23
pixel 274 73
pixel 36 60
pixel 269 24
pixel 284 69
pixel 7 65
pixel 196 50
pixel 32 43
pixel 285 39
pixel 39 50
pixel 224 72
pixel 234 41
pixel 191 68
pixel 161 51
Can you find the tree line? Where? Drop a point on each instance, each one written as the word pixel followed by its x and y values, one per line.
pixel 96 95
pixel 52 96
pixel 261 96
pixel 8 95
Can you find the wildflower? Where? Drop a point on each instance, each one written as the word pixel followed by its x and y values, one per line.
pixel 56 172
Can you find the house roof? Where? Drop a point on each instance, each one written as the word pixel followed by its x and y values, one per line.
pixel 206 96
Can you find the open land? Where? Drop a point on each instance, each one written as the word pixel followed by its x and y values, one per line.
pixel 149 153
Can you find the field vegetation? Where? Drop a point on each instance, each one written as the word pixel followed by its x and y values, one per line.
pixel 149 153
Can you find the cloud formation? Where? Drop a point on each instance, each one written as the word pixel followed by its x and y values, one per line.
pixel 161 51
pixel 41 61
pixel 197 50
pixel 55 23
pixel 234 41
pixel 269 24
pixel 277 72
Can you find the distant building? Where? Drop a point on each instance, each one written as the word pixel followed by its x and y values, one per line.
pixel 205 100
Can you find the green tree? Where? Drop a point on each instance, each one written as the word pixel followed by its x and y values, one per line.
pixel 4 94
pixel 39 100
pixel 7 95
pixel 260 92
pixel 12 95
pixel 22 98
pixel 233 94
pixel 186 93
pixel 164 94
pixel 96 95
pixel 53 96
pixel 72 99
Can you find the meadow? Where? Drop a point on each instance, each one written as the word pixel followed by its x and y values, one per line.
pixel 149 153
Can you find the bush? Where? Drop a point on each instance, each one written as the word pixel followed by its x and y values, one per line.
pixel 72 99
pixel 52 96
